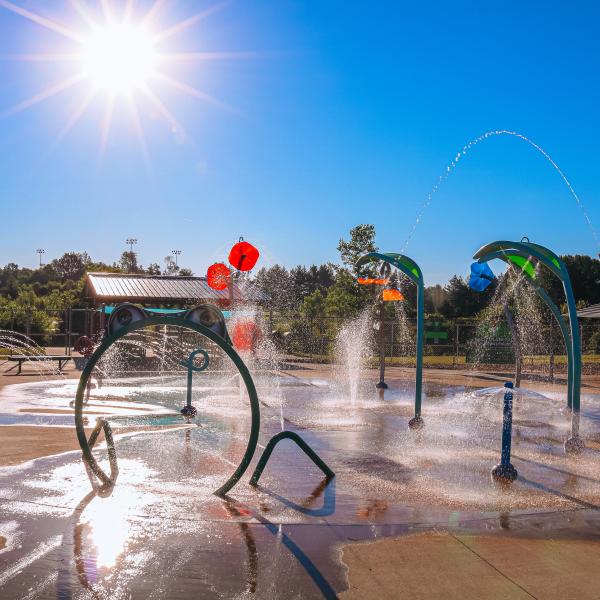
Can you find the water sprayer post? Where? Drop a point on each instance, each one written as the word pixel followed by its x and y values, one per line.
pixel 505 472
pixel 188 410
pixel 381 385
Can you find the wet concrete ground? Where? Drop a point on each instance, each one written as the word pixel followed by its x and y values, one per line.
pixel 161 533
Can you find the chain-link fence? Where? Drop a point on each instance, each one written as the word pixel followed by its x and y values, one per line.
pixel 448 343
pixel 51 328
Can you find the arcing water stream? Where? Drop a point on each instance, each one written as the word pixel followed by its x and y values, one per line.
pixel 474 142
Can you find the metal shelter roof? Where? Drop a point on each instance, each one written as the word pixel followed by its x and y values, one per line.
pixel 121 287
pixel 589 312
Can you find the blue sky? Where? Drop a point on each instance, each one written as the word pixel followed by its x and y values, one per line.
pixel 344 113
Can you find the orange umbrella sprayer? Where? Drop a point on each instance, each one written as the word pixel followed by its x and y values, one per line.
pixel 371 281
pixel 392 296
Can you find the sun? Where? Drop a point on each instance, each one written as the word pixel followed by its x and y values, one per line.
pixel 120 55
pixel 119 58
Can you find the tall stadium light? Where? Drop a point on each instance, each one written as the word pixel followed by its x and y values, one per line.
pixel 176 253
pixel 131 242
pixel 40 251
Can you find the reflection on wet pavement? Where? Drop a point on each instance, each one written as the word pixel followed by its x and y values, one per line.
pixel 161 533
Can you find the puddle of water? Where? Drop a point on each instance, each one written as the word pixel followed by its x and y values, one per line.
pixel 161 533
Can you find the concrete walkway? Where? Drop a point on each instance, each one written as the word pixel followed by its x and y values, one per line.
pixel 447 565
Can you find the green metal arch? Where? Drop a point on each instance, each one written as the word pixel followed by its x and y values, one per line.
pixel 412 270
pixel 402 262
pixel 526 250
pixel 108 341
pixel 520 255
pixel 557 316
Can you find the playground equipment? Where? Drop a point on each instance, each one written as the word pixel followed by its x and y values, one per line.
pixel 209 323
pixel 410 268
pixel 243 256
pixel 524 255
pixel 505 472
pixel 217 276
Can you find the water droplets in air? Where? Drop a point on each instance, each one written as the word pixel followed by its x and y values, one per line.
pixel 474 142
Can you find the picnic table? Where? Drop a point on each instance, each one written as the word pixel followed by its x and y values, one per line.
pixel 21 358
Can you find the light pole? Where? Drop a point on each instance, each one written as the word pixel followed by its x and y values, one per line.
pixel 40 251
pixel 131 242
pixel 176 253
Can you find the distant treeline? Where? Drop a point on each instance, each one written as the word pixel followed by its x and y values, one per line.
pixel 26 294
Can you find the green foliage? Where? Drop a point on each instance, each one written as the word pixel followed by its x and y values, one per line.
pixel 362 240
pixel 593 345
pixel 306 281
pixel 313 305
pixel 288 289
pixel 462 301
pixel 71 265
pixel 346 298
pixel 25 313
pixel 584 272
pixel 153 269
pixel 304 293
pixel 434 299
pixel 277 284
pixel 128 263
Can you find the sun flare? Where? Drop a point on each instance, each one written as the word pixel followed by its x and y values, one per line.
pixel 119 58
pixel 119 55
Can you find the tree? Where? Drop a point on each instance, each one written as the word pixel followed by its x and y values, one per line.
pixel 306 281
pixel 462 301
pixel 171 267
pixel 185 272
pixel 61 300
pixel 100 267
pixel 71 265
pixel 128 262
pixel 362 240
pixel 313 305
pixel 153 269
pixel 346 298
pixel 584 272
pixel 276 283
pixel 434 298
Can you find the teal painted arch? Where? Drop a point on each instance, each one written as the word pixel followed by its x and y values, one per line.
pixel 558 317
pixel 412 270
pixel 521 254
pixel 526 250
pixel 402 262
pixel 228 349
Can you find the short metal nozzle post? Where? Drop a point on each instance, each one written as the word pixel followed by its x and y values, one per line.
pixel 188 410
pixel 507 424
pixel 382 385
pixel 505 472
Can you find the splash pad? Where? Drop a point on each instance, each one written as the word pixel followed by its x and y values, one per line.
pixel 208 322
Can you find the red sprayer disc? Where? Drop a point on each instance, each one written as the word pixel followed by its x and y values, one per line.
pixel 243 256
